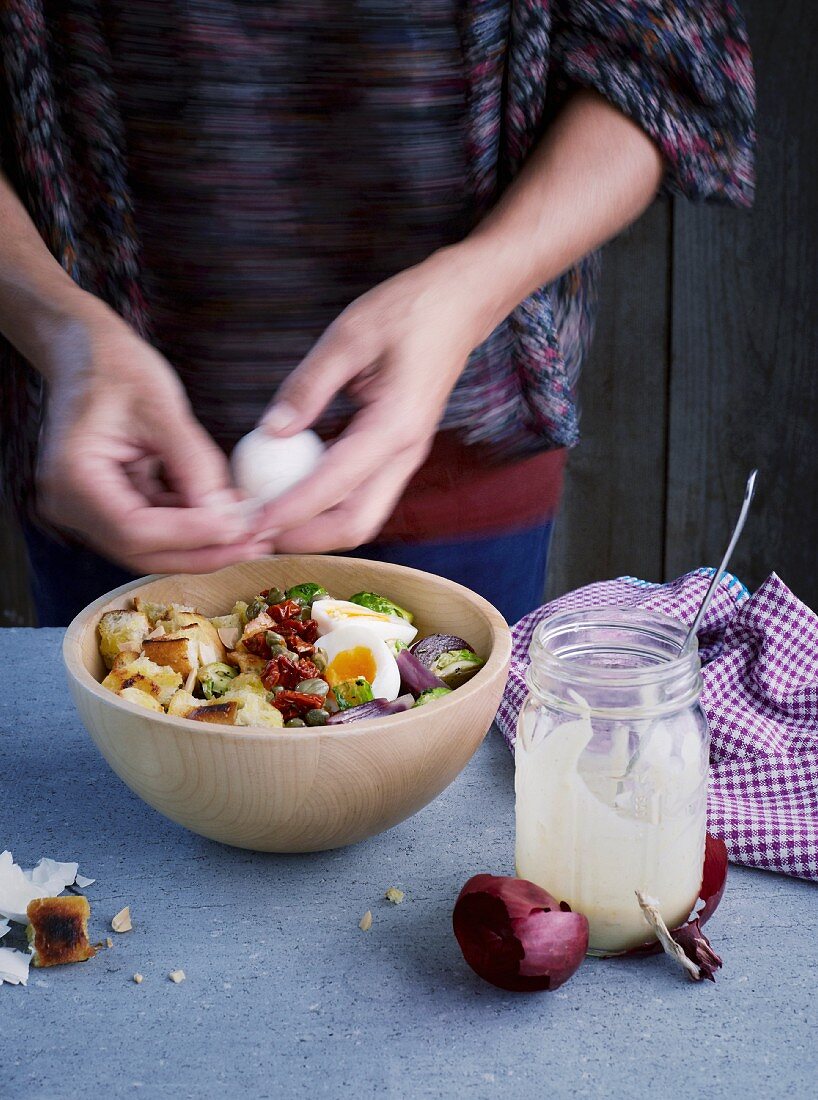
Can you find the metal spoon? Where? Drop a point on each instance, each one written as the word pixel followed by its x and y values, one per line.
pixel 716 581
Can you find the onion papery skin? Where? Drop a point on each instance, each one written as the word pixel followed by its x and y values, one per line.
pixel 711 891
pixel 516 936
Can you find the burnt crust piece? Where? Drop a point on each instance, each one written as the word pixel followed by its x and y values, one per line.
pixel 59 930
pixel 224 713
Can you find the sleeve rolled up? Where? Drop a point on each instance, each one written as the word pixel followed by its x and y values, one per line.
pixel 682 70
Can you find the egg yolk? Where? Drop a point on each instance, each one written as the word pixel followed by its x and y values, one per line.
pixel 350 663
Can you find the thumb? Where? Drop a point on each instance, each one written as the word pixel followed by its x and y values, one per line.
pixel 194 466
pixel 304 395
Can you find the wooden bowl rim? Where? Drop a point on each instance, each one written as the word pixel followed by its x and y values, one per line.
pixel 496 663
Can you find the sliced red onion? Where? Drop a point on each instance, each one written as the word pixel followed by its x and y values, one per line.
pixel 415 677
pixel 375 708
pixel 516 936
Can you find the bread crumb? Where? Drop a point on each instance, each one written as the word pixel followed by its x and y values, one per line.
pixel 109 942
pixel 122 921
pixel 394 895
pixel 365 923
pixel 137 978
pixel 177 976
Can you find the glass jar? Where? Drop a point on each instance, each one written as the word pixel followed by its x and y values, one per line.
pixel 611 770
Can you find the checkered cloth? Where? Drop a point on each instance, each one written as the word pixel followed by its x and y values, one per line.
pixel 760 672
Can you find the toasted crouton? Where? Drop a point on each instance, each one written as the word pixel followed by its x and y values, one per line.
pixel 260 625
pixel 211 647
pixel 58 930
pixel 152 611
pixel 246 662
pixel 125 658
pixel 256 711
pixel 181 702
pixel 141 698
pixel 223 713
pixel 178 651
pixel 159 681
pixel 121 630
pixel 244 682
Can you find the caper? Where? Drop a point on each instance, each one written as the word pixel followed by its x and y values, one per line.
pixel 319 659
pixel 273 639
pixel 256 607
pixel 317 717
pixel 275 595
pixel 279 651
pixel 313 687
pixel 306 614
pixel 295 723
pixel 276 689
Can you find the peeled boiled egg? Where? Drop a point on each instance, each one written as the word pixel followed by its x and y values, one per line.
pixel 355 651
pixel 331 614
pixel 265 466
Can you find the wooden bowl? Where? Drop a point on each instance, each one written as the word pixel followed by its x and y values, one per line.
pixel 299 790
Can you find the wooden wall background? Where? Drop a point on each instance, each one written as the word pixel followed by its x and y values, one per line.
pixel 705 364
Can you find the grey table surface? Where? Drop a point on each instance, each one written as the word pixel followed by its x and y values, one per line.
pixel 286 997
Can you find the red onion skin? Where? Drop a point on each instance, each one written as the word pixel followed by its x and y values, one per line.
pixel 711 891
pixel 516 936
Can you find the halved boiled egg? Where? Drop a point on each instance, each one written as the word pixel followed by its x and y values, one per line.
pixel 332 614
pixel 355 651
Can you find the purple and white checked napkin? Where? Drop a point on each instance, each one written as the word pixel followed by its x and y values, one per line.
pixel 760 672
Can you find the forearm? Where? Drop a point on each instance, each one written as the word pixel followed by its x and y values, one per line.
pixel 593 173
pixel 37 296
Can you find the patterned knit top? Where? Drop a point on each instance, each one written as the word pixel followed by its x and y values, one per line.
pixel 342 115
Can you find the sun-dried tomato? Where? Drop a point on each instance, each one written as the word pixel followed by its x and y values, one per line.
pixel 288 672
pixel 257 643
pixel 295 704
pixel 287 609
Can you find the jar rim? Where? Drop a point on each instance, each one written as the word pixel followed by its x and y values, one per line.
pixel 670 660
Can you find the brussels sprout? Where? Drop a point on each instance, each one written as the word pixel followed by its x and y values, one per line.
pixel 240 609
pixel 432 693
pixel 382 605
pixel 448 657
pixel 215 678
pixel 351 693
pixel 306 593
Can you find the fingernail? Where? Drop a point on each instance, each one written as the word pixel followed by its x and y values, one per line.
pixel 279 417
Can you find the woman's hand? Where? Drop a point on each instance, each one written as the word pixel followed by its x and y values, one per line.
pixel 124 465
pixel 398 350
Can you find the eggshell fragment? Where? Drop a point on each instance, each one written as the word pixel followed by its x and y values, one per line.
pixel 18 887
pixel 14 966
